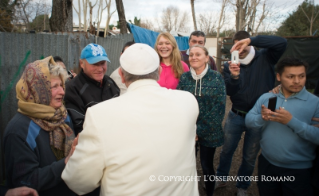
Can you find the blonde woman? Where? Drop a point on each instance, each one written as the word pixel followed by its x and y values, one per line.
pixel 170 61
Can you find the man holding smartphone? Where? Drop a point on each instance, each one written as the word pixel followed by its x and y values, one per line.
pixel 245 82
pixel 288 139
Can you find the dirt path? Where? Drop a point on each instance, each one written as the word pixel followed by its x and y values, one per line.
pixel 230 189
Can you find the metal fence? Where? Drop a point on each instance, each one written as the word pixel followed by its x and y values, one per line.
pixel 17 50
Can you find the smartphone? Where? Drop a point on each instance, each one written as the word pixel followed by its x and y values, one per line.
pixel 70 74
pixel 272 103
pixel 235 57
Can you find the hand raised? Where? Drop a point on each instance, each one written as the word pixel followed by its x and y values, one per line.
pixel 276 89
pixel 74 74
pixel 241 45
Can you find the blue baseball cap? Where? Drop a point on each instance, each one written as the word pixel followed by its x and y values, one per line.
pixel 94 53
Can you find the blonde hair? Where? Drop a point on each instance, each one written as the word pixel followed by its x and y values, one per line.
pixel 175 56
pixel 58 71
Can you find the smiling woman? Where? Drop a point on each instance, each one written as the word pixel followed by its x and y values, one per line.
pixel 170 61
pixel 208 87
pixel 39 136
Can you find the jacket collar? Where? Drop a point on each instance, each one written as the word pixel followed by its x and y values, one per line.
pixel 142 83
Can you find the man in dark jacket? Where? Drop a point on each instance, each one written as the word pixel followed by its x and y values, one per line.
pixel 91 86
pixel 197 37
pixel 245 83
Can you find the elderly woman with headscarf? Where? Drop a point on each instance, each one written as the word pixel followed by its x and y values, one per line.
pixel 39 137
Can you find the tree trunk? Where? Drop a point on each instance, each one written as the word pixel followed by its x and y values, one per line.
pixel 122 19
pixel 221 17
pixel 99 17
pixel 85 8
pixel 79 15
pixel 109 16
pixel 61 18
pixel 194 16
pixel 238 11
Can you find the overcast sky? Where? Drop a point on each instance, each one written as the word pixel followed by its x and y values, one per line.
pixel 151 9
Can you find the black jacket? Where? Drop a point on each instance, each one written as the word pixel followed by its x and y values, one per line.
pixel 29 159
pixel 316 92
pixel 258 77
pixel 83 92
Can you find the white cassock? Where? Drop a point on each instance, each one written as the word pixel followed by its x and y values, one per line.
pixel 139 144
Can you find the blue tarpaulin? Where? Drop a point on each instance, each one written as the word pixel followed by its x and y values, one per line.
pixel 146 36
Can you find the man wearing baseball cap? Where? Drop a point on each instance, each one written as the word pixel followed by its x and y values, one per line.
pixel 141 143
pixel 91 86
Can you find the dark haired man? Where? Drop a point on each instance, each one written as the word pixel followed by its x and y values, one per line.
pixel 197 37
pixel 245 83
pixel 288 140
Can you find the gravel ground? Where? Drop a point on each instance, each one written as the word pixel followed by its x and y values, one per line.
pixel 230 189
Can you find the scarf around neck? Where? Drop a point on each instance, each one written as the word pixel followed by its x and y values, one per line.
pixel 249 57
pixel 34 97
pixel 198 77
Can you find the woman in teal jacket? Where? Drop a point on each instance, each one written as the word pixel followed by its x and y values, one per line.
pixel 208 87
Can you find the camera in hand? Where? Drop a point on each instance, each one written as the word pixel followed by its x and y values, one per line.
pixel 235 57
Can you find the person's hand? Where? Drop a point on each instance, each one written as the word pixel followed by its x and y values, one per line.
pixel 315 119
pixel 241 45
pixel 234 68
pixel 282 116
pixel 75 142
pixel 196 138
pixel 22 191
pixel 276 89
pixel 265 113
pixel 73 74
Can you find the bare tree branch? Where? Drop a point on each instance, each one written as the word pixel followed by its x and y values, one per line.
pixel 109 15
pixel 207 23
pixel 173 20
pixel 222 16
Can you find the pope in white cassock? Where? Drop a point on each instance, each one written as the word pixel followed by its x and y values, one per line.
pixel 141 143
